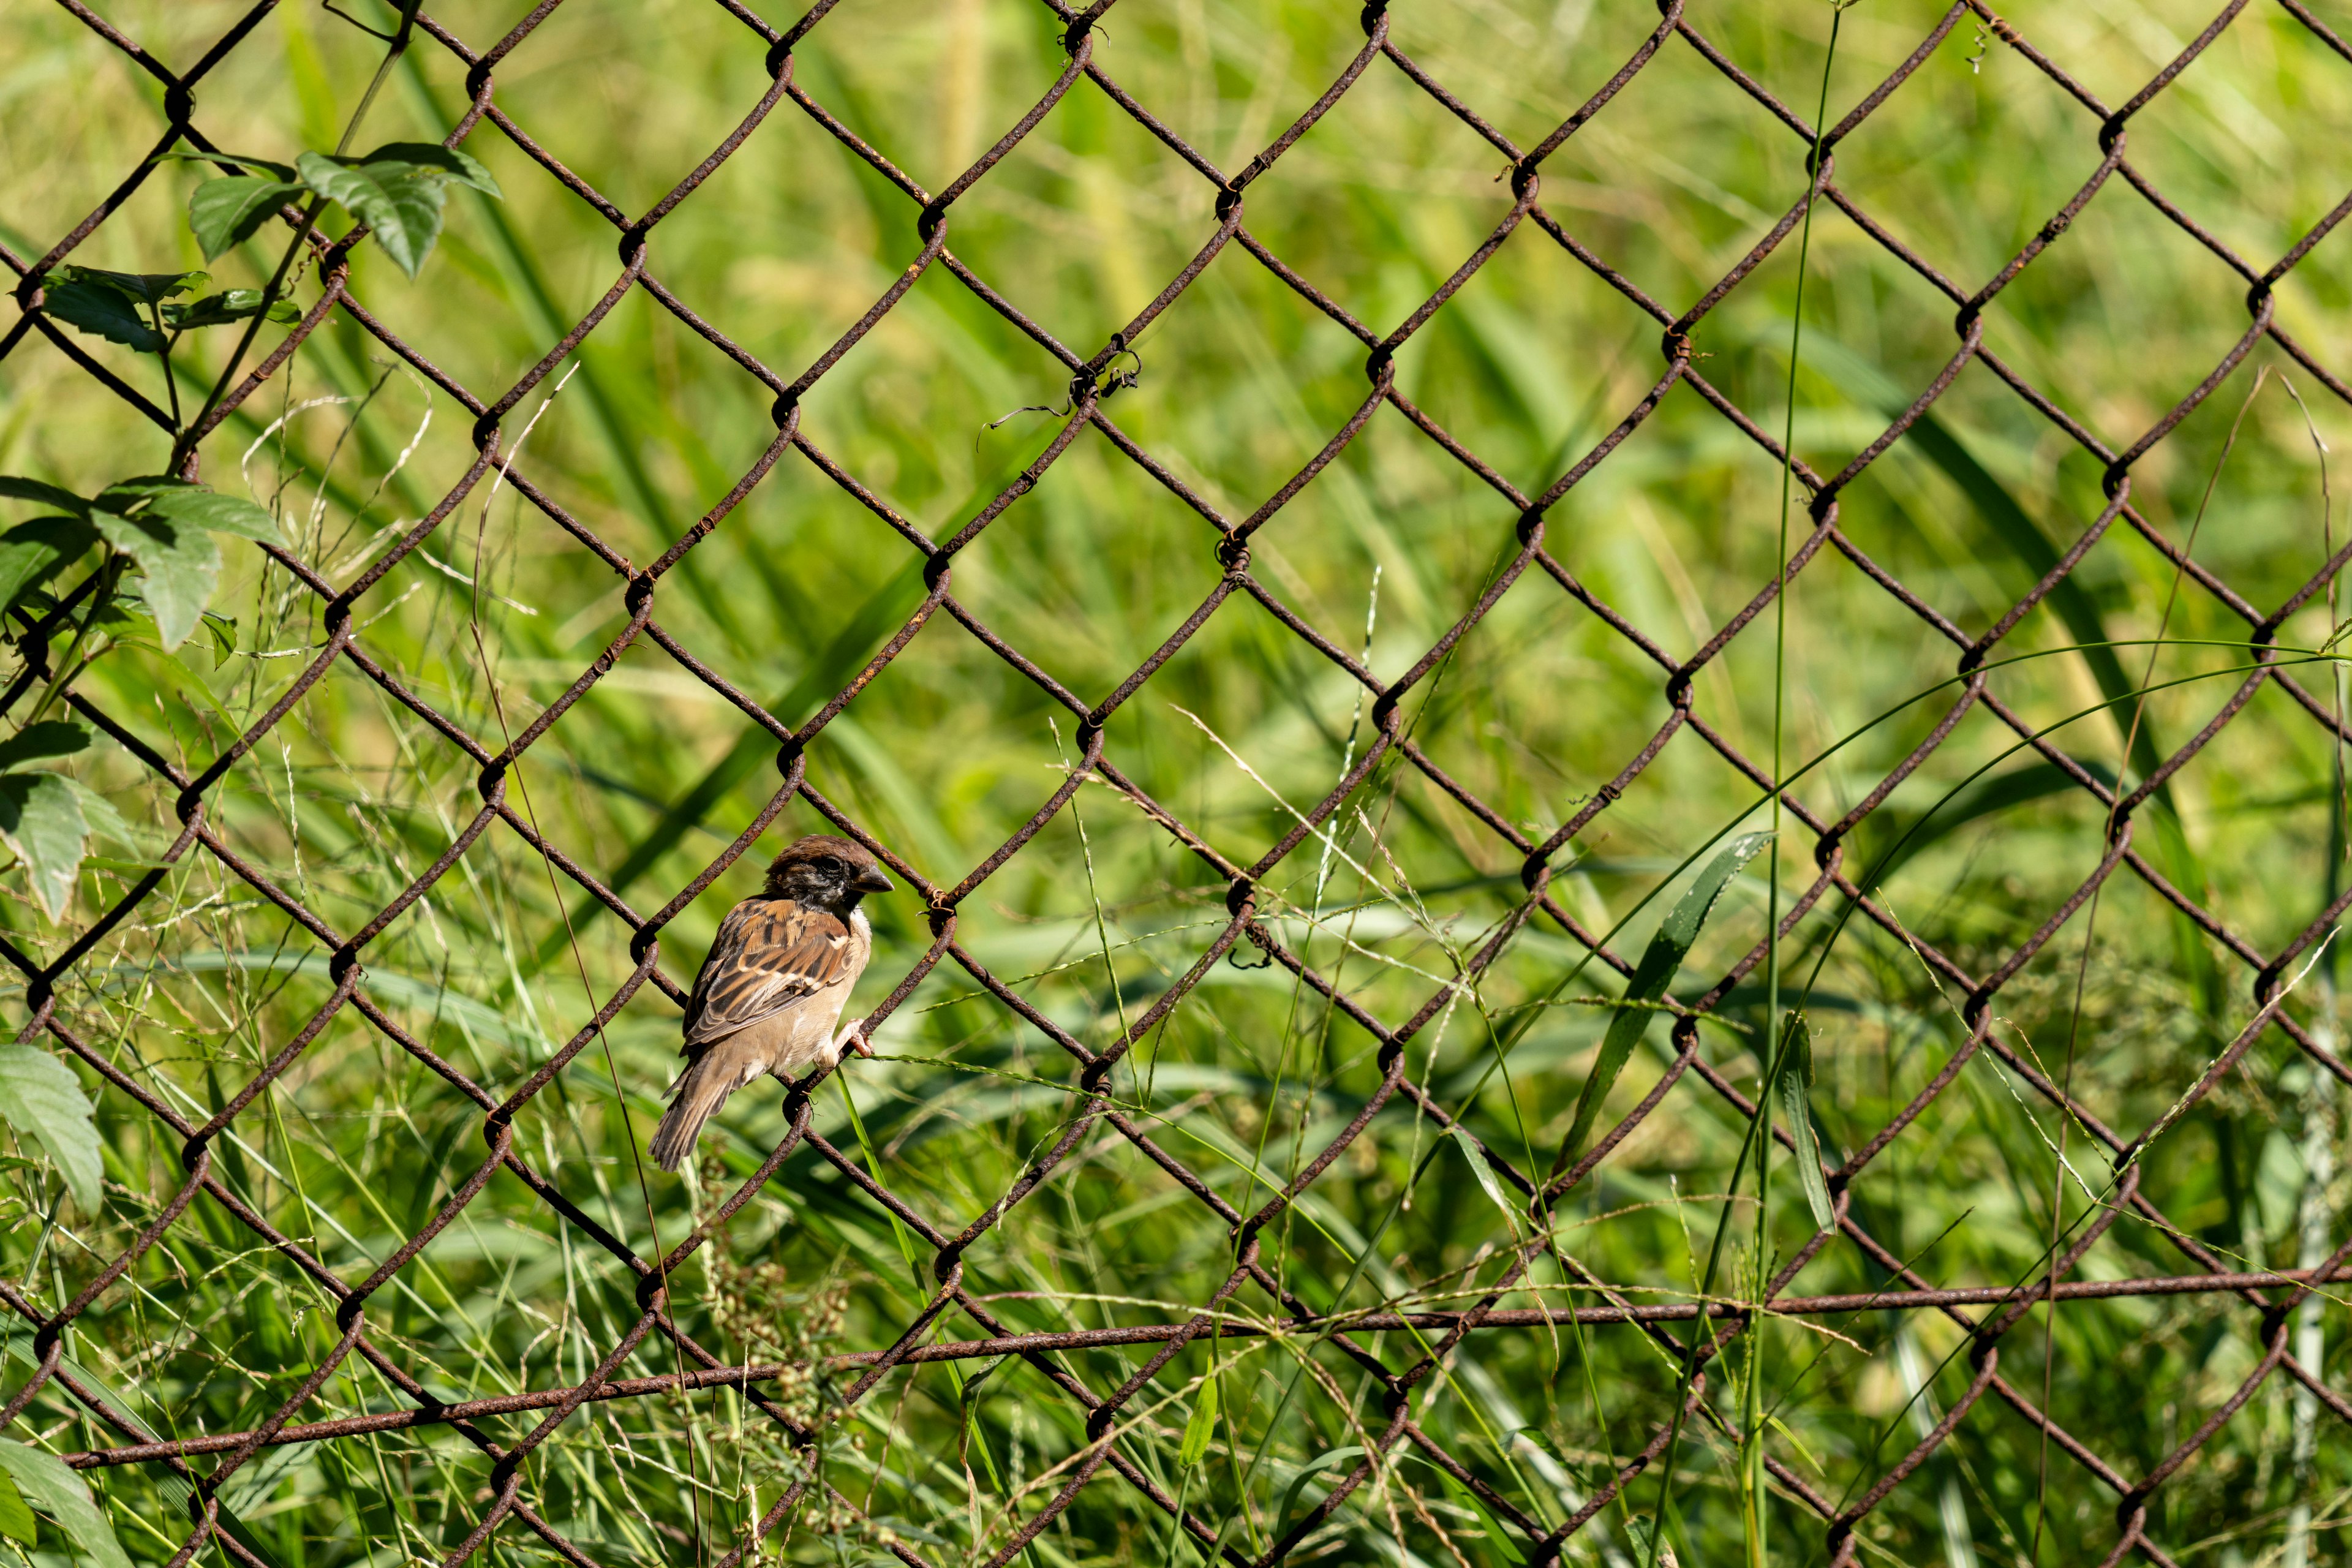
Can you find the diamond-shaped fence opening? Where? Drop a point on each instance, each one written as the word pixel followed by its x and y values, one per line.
pixel 1314 551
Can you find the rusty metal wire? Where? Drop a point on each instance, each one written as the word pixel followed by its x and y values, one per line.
pixel 1983 1315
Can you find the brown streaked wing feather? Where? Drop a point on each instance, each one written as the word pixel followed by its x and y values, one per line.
pixel 770 953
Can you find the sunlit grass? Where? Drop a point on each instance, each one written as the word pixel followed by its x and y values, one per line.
pixel 949 749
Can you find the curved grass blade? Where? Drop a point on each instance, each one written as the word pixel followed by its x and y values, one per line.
pixel 1795 1088
pixel 1660 961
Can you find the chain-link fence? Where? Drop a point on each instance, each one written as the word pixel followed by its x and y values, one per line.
pixel 1377 1333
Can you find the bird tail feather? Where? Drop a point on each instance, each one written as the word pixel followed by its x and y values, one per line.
pixel 702 1089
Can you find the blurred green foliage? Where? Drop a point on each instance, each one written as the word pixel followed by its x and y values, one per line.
pixel 950 749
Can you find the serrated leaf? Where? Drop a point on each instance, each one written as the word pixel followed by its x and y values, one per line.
pixel 40 1098
pixel 1485 1174
pixel 49 738
pixel 228 160
pixel 224 213
pixel 229 305
pixel 1795 1089
pixel 399 202
pixel 33 553
pixel 46 1484
pixel 102 313
pixel 1660 959
pixel 139 287
pixel 178 563
pixel 41 820
pixel 22 489
pixel 1201 1427
pixel 462 167
pixel 15 1518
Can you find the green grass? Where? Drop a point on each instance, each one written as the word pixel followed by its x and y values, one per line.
pixel 949 751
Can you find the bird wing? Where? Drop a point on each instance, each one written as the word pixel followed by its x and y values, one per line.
pixel 771 954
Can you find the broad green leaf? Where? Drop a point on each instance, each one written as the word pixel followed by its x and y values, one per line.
pixel 99 812
pixel 103 313
pixel 15 1518
pixel 230 305
pixel 33 553
pixel 1201 1427
pixel 178 562
pixel 229 160
pixel 49 738
pixel 1485 1175
pixel 139 287
pixel 399 202
pixel 41 820
pixel 179 501
pixel 1660 959
pixel 226 213
pixel 1795 1089
pixel 462 167
pixel 22 489
pixel 55 1490
pixel 40 1096
pixel 125 497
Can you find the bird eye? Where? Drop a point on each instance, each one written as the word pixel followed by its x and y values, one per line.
pixel 828 863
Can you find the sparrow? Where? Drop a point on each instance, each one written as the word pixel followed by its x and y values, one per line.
pixel 771 989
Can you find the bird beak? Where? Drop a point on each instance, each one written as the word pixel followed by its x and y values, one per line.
pixel 872 880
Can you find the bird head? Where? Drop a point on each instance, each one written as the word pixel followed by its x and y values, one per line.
pixel 828 873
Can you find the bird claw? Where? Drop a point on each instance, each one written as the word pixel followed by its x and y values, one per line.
pixel 853 1038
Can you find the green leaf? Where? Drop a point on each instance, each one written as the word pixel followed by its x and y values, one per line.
pixel 230 305
pixel 179 501
pixel 1485 1174
pixel 49 738
pixel 968 1403
pixel 103 313
pixel 33 553
pixel 1795 1089
pixel 22 489
pixel 15 1518
pixel 400 203
pixel 50 1487
pixel 41 820
pixel 40 1096
pixel 1660 959
pixel 228 160
pixel 99 812
pixel 462 167
pixel 179 563
pixel 1201 1427
pixel 224 213
pixel 139 287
